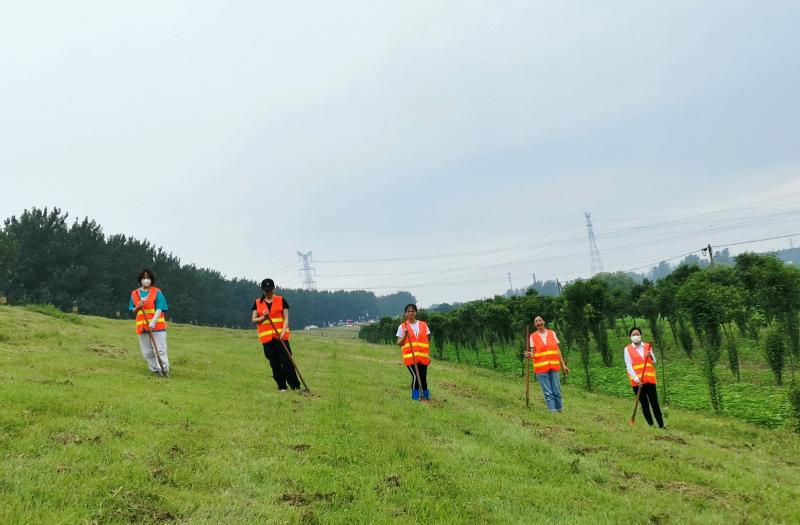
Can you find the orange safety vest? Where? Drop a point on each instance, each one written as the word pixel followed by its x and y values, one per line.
pixel 265 329
pixel 422 349
pixel 545 355
pixel 638 363
pixel 149 309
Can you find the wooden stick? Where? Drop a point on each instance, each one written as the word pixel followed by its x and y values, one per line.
pixel 527 367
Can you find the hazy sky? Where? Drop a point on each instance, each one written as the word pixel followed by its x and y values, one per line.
pixel 236 133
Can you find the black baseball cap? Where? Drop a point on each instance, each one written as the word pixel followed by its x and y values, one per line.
pixel 267 284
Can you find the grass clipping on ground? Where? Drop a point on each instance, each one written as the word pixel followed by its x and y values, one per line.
pixel 87 436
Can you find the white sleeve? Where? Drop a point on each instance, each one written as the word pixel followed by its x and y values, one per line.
pixel 156 315
pixel 628 364
pixel 427 328
pixel 556 338
pixel 400 332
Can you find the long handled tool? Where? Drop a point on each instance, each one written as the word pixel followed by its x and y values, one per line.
pixel 641 384
pixel 288 353
pixel 527 367
pixel 414 357
pixel 153 342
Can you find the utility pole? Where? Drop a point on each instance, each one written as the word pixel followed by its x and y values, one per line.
pixel 510 286
pixel 307 272
pixel 594 253
pixel 710 252
pixel 558 284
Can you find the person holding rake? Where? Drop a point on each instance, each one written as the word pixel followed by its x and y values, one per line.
pixel 271 317
pixel 413 339
pixel 547 363
pixel 148 304
pixel 641 364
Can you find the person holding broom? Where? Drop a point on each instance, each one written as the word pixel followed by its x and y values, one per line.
pixel 413 339
pixel 271 317
pixel 148 304
pixel 547 363
pixel 641 364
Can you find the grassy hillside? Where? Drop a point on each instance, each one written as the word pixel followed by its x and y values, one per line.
pixel 86 436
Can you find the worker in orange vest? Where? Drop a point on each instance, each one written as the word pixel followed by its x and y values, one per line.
pixel 149 304
pixel 413 338
pixel 274 308
pixel 547 364
pixel 641 364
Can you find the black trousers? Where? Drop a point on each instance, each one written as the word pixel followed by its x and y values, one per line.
pixel 282 369
pixel 423 376
pixel 649 398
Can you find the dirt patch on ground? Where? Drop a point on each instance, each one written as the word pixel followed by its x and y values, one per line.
pixel 460 390
pixel 673 439
pixel 556 430
pixel 49 381
pixel 175 451
pixel 302 447
pixel 588 450
pixel 68 438
pixel 106 350
pixel 300 499
pixel 689 489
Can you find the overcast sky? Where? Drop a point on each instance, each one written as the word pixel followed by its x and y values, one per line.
pixel 245 131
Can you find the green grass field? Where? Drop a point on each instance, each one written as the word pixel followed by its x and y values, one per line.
pixel 87 436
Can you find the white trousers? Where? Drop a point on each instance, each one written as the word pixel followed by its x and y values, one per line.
pixel 148 352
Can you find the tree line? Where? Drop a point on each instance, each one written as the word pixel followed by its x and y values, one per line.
pixel 706 313
pixel 46 259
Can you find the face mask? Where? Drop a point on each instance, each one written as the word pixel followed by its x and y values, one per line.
pixel 146 282
pixel 636 339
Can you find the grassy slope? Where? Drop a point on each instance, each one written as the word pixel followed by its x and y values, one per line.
pixel 86 435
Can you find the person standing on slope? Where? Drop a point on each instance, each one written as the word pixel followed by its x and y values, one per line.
pixel 641 364
pixel 148 304
pixel 412 338
pixel 271 317
pixel 547 364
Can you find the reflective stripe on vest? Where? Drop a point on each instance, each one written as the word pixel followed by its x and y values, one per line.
pixel 421 350
pixel 545 355
pixel 149 309
pixel 266 332
pixel 638 363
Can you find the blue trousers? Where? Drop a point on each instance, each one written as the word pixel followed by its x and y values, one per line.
pixel 551 388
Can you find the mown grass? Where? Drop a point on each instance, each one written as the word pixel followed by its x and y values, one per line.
pixel 86 436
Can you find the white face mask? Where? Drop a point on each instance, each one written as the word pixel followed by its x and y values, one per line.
pixel 636 339
pixel 146 282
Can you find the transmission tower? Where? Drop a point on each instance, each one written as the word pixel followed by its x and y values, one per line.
pixel 510 286
pixel 594 253
pixel 307 272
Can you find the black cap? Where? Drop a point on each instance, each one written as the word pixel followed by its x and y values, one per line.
pixel 267 284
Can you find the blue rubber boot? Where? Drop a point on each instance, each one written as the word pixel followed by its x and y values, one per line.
pixel 426 395
pixel 415 395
